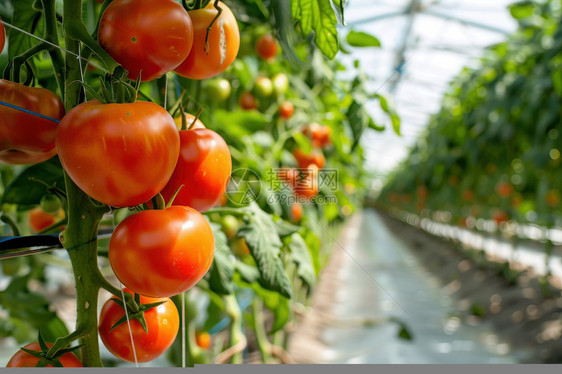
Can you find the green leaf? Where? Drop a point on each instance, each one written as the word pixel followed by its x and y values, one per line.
pixel 248 273
pixel 303 142
pixel 29 187
pixel 25 18
pixel 239 122
pixel 362 39
pixel 358 121
pixel 522 9
pixel 265 246
pixel 325 29
pixel 318 16
pixel 222 267
pixel 301 257
pixel 395 119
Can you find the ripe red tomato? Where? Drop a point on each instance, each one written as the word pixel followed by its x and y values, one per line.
pixel 319 134
pixel 189 118
pixel 162 323
pixel 266 47
pixel 296 212
pixel 504 189
pixel 119 154
pixel 146 37
pixel 306 184
pixel 223 43
pixel 23 359
pixel 40 220
pixel 500 216
pixel 26 138
pixel 203 169
pixel 248 101
pixel 286 110
pixel 2 36
pixel 161 253
pixel 315 157
pixel 203 339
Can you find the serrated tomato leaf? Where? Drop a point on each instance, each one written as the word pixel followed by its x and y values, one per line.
pixel 222 268
pixel 263 241
pixel 301 257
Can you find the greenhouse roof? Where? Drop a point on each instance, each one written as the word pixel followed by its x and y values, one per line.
pixel 424 44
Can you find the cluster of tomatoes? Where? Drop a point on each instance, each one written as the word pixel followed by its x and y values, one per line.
pixel 305 180
pixel 128 154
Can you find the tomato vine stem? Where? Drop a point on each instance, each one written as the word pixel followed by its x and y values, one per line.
pixel 83 215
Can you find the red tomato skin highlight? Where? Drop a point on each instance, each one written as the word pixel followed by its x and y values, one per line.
pixel 203 168
pixel 146 37
pixel 162 253
pixel 119 154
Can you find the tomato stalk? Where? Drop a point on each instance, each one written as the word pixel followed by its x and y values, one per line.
pixel 80 237
pixel 51 35
pixel 236 333
pixel 259 329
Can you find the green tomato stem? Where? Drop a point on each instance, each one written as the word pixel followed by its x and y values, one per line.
pixel 263 343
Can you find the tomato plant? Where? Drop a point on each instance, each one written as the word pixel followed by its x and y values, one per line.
pixel 147 38
pixel 25 359
pixel 161 322
pixel 26 138
pixel 125 147
pixel 266 47
pixel 119 154
pixel 174 247
pixel 211 54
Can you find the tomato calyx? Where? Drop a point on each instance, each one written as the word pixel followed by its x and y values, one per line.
pixel 42 355
pixel 138 314
pixel 115 88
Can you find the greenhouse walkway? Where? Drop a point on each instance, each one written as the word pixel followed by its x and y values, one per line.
pixel 375 289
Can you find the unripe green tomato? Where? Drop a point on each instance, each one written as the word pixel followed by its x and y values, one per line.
pixel 12 266
pixel 263 87
pixel 230 225
pixel 280 83
pixel 50 203
pixel 218 89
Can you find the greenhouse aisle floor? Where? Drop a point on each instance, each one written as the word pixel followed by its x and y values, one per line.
pixel 374 289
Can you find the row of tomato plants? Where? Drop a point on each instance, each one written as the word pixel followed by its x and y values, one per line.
pixel 493 149
pixel 122 153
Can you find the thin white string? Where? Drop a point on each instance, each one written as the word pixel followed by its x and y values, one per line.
pixel 183 345
pixel 41 39
pixel 129 324
pixel 80 64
